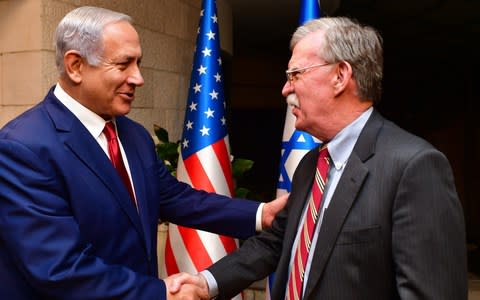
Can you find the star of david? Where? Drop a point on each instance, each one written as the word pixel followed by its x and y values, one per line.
pixel 298 141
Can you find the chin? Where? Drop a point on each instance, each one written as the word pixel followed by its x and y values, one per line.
pixel 124 111
pixel 299 126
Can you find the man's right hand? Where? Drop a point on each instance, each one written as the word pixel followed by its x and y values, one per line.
pixel 271 209
pixel 186 287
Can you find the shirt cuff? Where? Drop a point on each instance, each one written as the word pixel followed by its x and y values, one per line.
pixel 258 221
pixel 211 282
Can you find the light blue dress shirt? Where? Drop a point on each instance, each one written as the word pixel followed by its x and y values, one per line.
pixel 339 148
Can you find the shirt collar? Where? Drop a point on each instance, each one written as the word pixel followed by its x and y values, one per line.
pixel 93 122
pixel 341 146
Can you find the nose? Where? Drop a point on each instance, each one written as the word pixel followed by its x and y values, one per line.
pixel 136 77
pixel 287 89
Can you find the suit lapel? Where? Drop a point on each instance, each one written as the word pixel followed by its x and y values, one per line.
pixel 334 218
pixel 77 138
pixel 138 175
pixel 342 200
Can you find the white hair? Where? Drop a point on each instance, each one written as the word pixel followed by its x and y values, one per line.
pixel 81 30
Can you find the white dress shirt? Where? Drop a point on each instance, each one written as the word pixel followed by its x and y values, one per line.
pixel 93 122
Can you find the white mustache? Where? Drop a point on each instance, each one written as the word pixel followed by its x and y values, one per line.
pixel 292 100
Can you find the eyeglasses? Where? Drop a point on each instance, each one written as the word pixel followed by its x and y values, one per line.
pixel 293 73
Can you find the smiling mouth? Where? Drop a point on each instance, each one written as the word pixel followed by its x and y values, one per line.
pixel 128 95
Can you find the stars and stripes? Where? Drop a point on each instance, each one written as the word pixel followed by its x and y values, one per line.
pixel 204 162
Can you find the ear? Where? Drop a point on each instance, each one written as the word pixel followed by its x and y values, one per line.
pixel 343 77
pixel 74 64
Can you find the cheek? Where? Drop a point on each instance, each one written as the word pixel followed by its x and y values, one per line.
pixel 112 80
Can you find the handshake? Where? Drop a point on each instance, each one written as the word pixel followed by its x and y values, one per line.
pixel 186 286
pixel 193 287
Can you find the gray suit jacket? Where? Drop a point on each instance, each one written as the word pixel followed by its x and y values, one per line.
pixel 394 228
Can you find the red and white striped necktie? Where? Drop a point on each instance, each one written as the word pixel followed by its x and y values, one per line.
pixel 295 282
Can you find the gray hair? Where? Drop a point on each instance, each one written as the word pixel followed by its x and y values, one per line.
pixel 360 46
pixel 81 30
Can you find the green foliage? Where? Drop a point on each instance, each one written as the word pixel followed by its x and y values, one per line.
pixel 169 152
pixel 240 166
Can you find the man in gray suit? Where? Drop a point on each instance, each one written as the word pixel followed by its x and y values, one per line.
pixel 390 225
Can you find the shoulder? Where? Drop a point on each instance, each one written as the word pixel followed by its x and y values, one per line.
pixel 126 124
pixel 392 138
pixel 32 125
pixel 397 150
pixel 382 135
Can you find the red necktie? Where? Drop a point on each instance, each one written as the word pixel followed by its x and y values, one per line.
pixel 295 281
pixel 116 156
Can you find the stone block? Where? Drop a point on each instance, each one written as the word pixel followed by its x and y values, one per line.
pixel 23 76
pixel 160 51
pixel 158 118
pixel 248 294
pixel 52 14
pixel 175 18
pixel 153 17
pixel 20 28
pixel 194 3
pixel 174 120
pixel 184 85
pixel 49 73
pixel 1 78
pixel 259 294
pixel 166 90
pixel 185 53
pixel 192 16
pixel 144 95
pixel 256 291
pixel 142 116
pixel 161 241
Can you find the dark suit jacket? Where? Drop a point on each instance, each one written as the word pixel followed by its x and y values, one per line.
pixel 394 228
pixel 68 229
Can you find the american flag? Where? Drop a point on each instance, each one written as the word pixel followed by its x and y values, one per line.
pixel 295 143
pixel 204 162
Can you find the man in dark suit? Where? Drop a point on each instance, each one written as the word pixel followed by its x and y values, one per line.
pixel 389 226
pixel 70 226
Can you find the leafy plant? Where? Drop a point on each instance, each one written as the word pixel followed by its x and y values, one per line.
pixel 169 152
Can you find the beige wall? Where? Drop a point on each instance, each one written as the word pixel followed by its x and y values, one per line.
pixel 167 29
pixel 22 56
